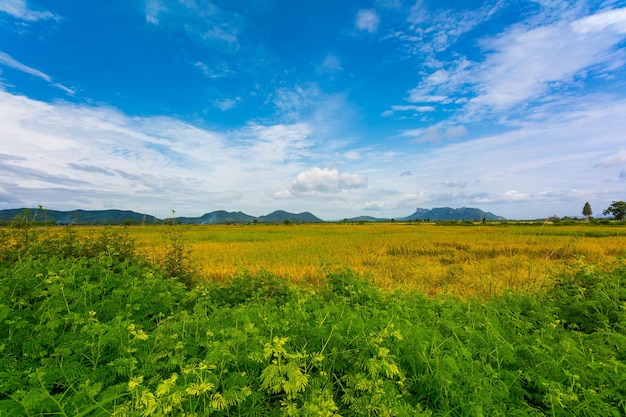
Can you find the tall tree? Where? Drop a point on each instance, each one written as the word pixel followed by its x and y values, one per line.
pixel 617 209
pixel 587 210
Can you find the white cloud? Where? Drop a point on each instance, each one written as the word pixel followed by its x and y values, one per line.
pixel 415 109
pixel 331 64
pixel 293 102
pixel 436 31
pixel 612 20
pixel 439 85
pixel 227 103
pixel 367 20
pixel 202 20
pixel 436 133
pixel 226 34
pixel 515 195
pixel 152 10
pixel 327 180
pixel 618 159
pixel 415 96
pixel 19 9
pixel 67 156
pixel 215 71
pixel 9 61
pixel 524 64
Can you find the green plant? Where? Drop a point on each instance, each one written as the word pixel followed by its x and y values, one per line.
pixel 87 327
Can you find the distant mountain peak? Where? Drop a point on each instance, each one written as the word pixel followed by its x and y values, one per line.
pixel 449 213
pixel 226 217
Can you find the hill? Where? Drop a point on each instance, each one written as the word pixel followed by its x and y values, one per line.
pixel 218 217
pixel 77 216
pixel 366 219
pixel 280 216
pixel 447 213
pixel 225 217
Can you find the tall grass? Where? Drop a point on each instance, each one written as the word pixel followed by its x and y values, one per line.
pixel 480 260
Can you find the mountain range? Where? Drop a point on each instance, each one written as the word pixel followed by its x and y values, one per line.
pixel 225 217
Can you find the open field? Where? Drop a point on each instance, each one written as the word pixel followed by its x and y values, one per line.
pixel 88 328
pixel 478 260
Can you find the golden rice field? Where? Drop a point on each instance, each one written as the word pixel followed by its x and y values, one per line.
pixel 479 260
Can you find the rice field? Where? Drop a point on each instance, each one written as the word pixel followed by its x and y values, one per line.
pixel 477 260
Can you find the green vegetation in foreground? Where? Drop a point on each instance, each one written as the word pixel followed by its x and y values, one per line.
pixel 88 328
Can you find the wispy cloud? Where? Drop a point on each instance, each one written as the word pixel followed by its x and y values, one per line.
pixel 436 133
pixel 227 103
pixel 9 61
pixel 152 9
pixel 439 86
pixel 20 10
pixel 331 64
pixel 367 20
pixel 201 20
pixel 215 71
pixel 67 156
pixel 292 103
pixel 437 30
pixel 408 108
pixel 86 153
pixel 527 64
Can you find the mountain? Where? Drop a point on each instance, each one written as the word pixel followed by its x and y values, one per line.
pixel 218 217
pixel 447 213
pixel 225 217
pixel 366 219
pixel 77 216
pixel 280 216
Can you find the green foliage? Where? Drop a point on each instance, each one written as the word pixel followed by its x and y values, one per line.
pixel 587 210
pixel 177 262
pixel 88 328
pixel 617 209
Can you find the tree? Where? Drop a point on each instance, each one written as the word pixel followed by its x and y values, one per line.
pixel 617 209
pixel 587 210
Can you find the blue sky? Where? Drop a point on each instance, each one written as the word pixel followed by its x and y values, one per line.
pixel 340 108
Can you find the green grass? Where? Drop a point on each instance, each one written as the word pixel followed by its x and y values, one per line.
pixel 87 327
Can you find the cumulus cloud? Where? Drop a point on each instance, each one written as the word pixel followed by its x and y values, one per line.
pixel 367 20
pixel 328 181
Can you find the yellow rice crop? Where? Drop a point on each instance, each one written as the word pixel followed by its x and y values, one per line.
pixel 467 261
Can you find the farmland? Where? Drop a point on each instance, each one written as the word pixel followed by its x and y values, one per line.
pixel 313 320
pixel 469 260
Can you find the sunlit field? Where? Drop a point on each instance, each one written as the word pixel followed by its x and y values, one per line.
pixel 476 260
pixel 310 320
